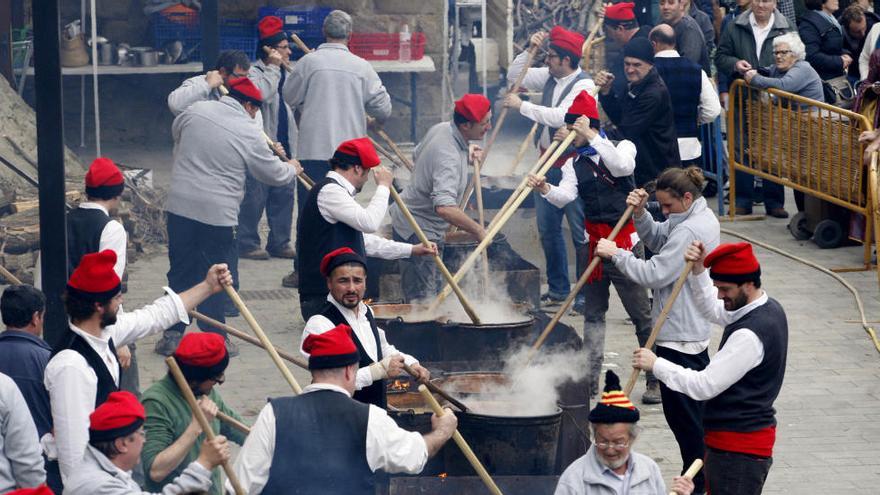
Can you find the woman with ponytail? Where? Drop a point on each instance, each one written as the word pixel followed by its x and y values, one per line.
pixel 684 337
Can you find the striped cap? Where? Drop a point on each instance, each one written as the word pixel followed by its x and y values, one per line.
pixel 615 406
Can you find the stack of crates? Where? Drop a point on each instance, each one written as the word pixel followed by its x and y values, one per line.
pixel 305 23
pixel 235 34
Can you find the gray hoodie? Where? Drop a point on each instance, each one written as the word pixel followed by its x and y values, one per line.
pixel 266 77
pixel 21 459
pixel 215 143
pixel 669 240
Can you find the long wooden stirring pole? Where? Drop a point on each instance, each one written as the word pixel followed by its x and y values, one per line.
pixel 661 318
pixel 462 444
pixel 267 344
pixel 248 338
pixel 482 218
pixel 450 280
pixel 299 43
pixel 238 425
pixel 501 220
pixel 524 183
pixel 577 287
pixel 12 279
pixel 692 471
pixel 523 147
pixel 391 144
pixel 202 420
pixel 387 154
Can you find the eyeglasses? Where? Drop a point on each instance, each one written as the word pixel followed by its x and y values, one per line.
pixel 781 53
pixel 615 446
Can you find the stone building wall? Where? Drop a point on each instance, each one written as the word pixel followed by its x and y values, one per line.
pixel 133 108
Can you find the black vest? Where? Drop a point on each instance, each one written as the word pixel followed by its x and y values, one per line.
pixel 106 384
pixel 84 228
pixel 604 195
pixel 684 80
pixel 376 393
pixel 748 404
pixel 547 100
pixel 320 446
pixel 315 237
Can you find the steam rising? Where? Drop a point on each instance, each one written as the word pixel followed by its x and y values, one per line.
pixel 530 390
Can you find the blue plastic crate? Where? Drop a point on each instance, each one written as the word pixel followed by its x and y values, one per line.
pixel 239 34
pixel 302 22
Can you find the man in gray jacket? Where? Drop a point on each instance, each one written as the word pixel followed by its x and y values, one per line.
pixel 215 144
pixel 436 190
pixel 334 91
pixel 268 73
pixel 116 438
pixel 21 459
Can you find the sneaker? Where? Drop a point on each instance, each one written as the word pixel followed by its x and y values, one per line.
pixel 549 300
pixel 231 348
pixel 255 254
pixel 168 343
pixel 290 280
pixel 652 394
pixel 286 252
pixel 778 213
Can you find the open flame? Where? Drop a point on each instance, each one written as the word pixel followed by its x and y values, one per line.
pixel 442 476
pixel 400 385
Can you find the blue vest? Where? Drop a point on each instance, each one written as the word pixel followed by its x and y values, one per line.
pixel 748 404
pixel 683 79
pixel 320 446
pixel 106 384
pixel 315 237
pixel 547 100
pixel 374 394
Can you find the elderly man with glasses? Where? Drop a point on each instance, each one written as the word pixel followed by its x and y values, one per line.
pixel 174 437
pixel 611 466
pixel 746 44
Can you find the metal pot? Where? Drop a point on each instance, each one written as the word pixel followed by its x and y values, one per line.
pixel 106 53
pixel 148 59
pixel 506 445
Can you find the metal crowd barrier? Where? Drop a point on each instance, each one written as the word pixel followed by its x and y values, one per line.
pixel 712 159
pixel 803 144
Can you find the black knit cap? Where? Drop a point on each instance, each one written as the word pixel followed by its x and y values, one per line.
pixel 639 48
pixel 202 373
pixel 340 257
pixel 615 406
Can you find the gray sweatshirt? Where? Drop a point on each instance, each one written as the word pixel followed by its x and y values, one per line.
pixel 21 459
pixel 266 77
pixel 215 143
pixel 98 476
pixel 192 90
pixel 669 240
pixel 800 79
pixel 440 178
pixel 334 91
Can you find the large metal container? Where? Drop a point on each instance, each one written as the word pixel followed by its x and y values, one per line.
pixel 506 445
pixel 436 340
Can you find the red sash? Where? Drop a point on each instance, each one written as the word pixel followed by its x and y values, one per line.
pixel 596 231
pixel 759 443
pixel 562 159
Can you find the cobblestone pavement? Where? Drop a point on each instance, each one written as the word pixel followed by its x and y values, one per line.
pixel 828 411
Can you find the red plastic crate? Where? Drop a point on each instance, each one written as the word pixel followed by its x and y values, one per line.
pixel 385 46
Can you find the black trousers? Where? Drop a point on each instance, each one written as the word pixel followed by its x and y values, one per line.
pixel 683 414
pixel 732 473
pixel 192 248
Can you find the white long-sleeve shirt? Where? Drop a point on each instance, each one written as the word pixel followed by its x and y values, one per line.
pixel 389 447
pixel 709 108
pixel 337 204
pixel 742 351
pixel 113 237
pixel 619 160
pixel 534 80
pixel 359 324
pixel 72 384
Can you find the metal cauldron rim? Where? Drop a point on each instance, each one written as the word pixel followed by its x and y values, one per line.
pixel 451 374
pixel 528 315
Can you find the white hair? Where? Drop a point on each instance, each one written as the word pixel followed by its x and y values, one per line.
pixel 337 25
pixel 634 431
pixel 794 44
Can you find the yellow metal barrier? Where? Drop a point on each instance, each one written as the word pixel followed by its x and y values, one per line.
pixel 873 184
pixel 803 144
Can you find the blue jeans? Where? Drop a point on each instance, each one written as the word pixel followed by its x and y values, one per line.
pixel 278 203
pixel 774 194
pixel 549 220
